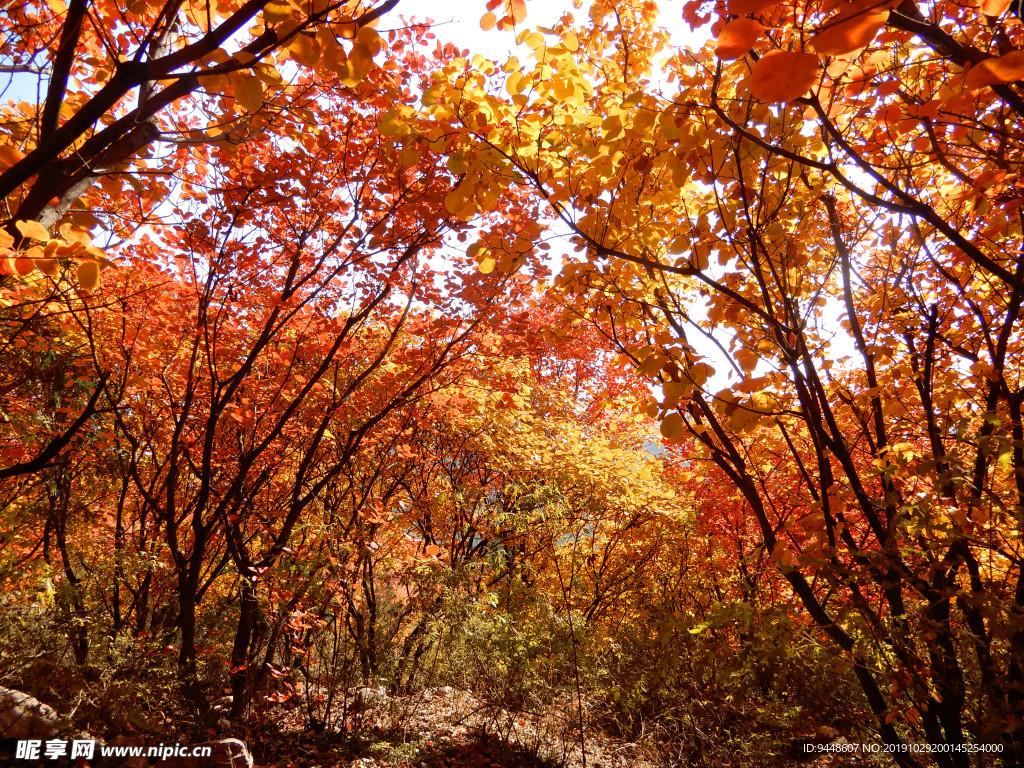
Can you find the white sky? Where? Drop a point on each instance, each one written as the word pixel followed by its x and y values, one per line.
pixel 458 22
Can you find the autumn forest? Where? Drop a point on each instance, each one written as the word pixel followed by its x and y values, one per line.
pixel 650 394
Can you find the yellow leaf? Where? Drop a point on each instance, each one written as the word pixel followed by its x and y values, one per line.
pixel 783 75
pixel 348 74
pixel 360 59
pixel 248 91
pixel 699 373
pixel 89 275
pixel 737 37
pixel 570 41
pixel 533 40
pixel 331 54
pixel 612 127
pixel 565 89
pixel 672 426
pixel 305 50
pixel 487 265
pixel 369 37
pixel 454 201
pixel 275 13
pixel 457 163
pixel 33 229
pixel 408 157
pixel 514 84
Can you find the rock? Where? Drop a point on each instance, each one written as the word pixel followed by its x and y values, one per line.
pixel 25 717
pixel 223 704
pixel 367 698
pixel 444 692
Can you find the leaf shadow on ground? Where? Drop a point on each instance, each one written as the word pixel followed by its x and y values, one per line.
pixel 393 749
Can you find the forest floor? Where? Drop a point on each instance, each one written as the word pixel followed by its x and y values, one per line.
pixel 446 728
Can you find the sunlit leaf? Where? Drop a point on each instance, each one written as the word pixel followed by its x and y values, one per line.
pixel 89 275
pixel 249 92
pixel 33 230
pixel 995 8
pixel 848 32
pixel 783 75
pixel 517 10
pixel 737 37
pixel 672 426
pixel 49 267
pixel 999 69
pixel 744 7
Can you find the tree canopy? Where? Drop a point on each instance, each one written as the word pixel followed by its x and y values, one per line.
pixel 686 352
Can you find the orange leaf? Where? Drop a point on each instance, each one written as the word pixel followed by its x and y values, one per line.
pixel 48 267
pixel 9 155
pixel 691 15
pixel 305 50
pixel 433 550
pixel 517 10
pixel 738 36
pixel 850 7
pixel 743 7
pixel 371 38
pixel 994 7
pixel 488 21
pixel 33 229
pixel 783 75
pixel 849 31
pixel 999 69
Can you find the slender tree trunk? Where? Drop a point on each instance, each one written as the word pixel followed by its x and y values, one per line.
pixel 188 671
pixel 241 675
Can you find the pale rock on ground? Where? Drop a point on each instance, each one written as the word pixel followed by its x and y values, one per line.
pixel 25 717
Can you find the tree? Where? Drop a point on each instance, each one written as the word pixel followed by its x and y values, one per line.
pixel 260 334
pixel 119 83
pixel 808 248
pixel 839 230
pixel 122 87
